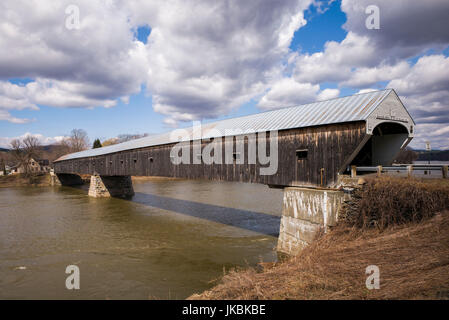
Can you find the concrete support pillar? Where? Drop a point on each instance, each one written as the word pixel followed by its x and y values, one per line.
pixel 110 186
pixel 305 213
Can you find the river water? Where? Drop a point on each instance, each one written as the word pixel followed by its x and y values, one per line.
pixel 171 240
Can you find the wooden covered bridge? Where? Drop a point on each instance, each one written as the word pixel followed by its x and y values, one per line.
pixel 303 149
pixel 315 143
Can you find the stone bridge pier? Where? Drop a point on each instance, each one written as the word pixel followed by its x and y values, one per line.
pixel 305 213
pixel 100 186
pixel 110 186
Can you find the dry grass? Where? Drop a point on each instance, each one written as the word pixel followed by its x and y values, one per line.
pixel 413 261
pixel 392 201
pixel 410 246
pixel 22 180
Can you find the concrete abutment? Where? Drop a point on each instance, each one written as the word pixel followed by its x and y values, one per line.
pixel 305 213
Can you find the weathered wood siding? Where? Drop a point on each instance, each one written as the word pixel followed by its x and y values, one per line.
pixel 328 147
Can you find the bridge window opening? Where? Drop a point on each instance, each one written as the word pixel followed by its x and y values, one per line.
pixel 236 156
pixel 151 159
pixel 135 160
pixel 121 161
pixel 301 154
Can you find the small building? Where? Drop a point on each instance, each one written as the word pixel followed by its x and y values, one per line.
pixel 34 165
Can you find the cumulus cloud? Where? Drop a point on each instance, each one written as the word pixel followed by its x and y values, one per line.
pixel 366 57
pixel 407 27
pixel 287 92
pixel 204 58
pixel 425 91
pixel 86 67
pixel 208 57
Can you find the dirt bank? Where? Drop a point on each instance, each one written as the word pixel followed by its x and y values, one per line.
pixel 413 261
pixel 399 233
pixel 21 180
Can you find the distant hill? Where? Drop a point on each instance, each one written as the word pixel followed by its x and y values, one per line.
pixel 435 155
pixel 4 150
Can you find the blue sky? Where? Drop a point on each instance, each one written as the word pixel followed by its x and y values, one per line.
pixel 138 116
pixel 163 67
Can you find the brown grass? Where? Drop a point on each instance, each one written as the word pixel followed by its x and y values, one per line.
pixel 410 246
pixel 392 201
pixel 22 180
pixel 413 261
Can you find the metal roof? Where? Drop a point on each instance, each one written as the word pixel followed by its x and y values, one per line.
pixel 346 109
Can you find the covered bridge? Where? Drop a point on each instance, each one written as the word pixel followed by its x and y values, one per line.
pixel 315 143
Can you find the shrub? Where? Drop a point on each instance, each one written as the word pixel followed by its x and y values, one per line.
pixel 390 201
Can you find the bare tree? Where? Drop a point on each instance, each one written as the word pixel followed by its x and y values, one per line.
pixel 3 166
pixel 31 147
pixel 24 150
pixel 17 152
pixel 78 141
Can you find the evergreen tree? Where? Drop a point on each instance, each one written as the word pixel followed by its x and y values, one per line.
pixel 97 144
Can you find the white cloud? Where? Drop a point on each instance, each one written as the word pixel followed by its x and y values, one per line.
pixel 207 57
pixel 425 92
pixel 327 94
pixel 204 58
pixel 287 92
pixel 407 27
pixel 362 77
pixel 5 115
pixel 5 141
pixel 88 67
pixel 366 58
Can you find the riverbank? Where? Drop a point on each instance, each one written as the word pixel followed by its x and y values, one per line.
pixel 43 180
pixel 411 249
pixel 22 180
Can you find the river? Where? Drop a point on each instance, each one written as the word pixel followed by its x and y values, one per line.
pixel 173 239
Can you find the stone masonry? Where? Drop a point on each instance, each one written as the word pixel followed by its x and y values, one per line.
pixel 110 186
